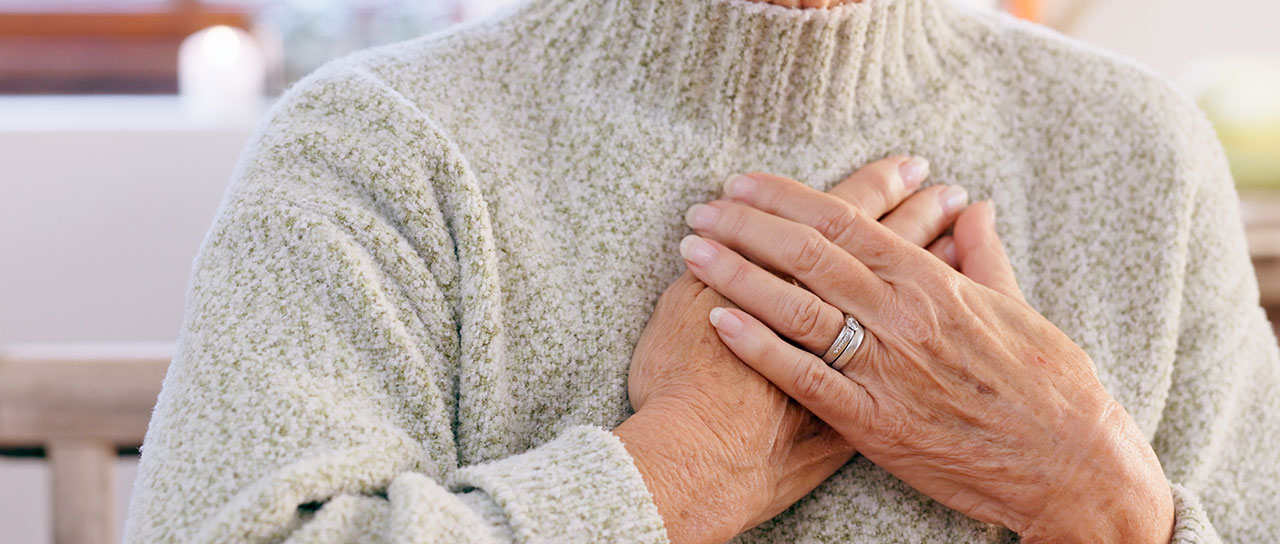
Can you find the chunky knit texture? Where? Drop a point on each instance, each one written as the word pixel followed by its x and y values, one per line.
pixel 413 317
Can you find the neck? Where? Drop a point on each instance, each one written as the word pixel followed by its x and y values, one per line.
pixel 752 70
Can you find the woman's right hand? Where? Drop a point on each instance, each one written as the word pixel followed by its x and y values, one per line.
pixel 722 449
pixel 958 387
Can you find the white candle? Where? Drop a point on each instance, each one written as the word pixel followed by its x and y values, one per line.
pixel 221 76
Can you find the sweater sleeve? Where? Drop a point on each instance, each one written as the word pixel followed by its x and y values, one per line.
pixel 1219 435
pixel 314 391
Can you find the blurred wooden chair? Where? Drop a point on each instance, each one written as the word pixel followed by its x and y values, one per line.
pixel 1261 214
pixel 81 404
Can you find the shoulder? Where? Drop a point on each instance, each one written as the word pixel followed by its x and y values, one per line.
pixel 345 128
pixel 440 76
pixel 412 98
pixel 345 102
pixel 1088 121
pixel 1055 84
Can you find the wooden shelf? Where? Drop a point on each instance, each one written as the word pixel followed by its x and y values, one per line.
pixel 94 52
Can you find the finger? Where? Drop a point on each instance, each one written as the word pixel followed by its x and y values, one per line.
pixel 945 249
pixel 875 190
pixel 790 310
pixel 980 253
pixel 879 187
pixel 832 396
pixel 849 228
pixel 834 218
pixel 792 249
pixel 925 215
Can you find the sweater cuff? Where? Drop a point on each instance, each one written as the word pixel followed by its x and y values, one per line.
pixel 581 487
pixel 1190 522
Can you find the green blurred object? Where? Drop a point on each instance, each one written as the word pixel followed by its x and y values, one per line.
pixel 1241 96
pixel 1242 99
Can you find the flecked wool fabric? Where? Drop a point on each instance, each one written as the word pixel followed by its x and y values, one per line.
pixel 413 317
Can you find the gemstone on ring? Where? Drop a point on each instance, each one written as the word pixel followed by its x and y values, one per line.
pixel 846 343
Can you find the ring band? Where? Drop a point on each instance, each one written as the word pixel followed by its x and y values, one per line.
pixel 846 344
pixel 838 346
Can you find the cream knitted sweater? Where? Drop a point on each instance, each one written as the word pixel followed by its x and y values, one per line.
pixel 413 316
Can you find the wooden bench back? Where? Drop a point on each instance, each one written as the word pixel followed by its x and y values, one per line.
pixel 81 404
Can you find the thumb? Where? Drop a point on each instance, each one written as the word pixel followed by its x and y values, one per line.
pixel 980 253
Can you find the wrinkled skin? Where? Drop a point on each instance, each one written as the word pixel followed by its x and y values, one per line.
pixel 720 447
pixel 767 451
pixel 960 388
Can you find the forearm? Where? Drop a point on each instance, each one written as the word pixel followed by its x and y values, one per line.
pixel 689 487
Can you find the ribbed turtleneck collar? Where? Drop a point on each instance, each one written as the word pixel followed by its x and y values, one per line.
pixel 756 70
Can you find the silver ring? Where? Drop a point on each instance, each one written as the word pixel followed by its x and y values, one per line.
pixel 846 344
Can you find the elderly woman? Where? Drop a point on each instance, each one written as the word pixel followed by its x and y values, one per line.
pixel 421 313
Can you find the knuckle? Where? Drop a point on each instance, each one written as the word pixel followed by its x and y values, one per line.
pixel 674 294
pixel 770 191
pixel 806 316
pixel 734 221
pixel 709 298
pixel 884 187
pixel 837 220
pixel 882 184
pixel 893 430
pixel 739 277
pixel 686 290
pixel 814 382
pixel 808 254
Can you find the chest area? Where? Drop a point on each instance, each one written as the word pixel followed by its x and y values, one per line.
pixel 586 230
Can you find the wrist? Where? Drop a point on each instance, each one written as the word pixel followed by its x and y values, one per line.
pixel 1120 494
pixel 698 497
pixel 1138 522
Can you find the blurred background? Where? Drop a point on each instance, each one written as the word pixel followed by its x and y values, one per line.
pixel 121 121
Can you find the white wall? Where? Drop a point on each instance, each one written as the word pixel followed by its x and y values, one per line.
pixel 1169 35
pixel 97 229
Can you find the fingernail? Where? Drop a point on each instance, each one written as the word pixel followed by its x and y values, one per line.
pixel 913 172
pixel 701 216
pixel 949 251
pixel 725 322
pixel 739 186
pixel 953 198
pixel 991 213
pixel 697 250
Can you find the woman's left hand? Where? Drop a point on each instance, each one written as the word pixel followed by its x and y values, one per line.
pixel 960 388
